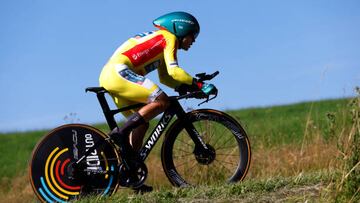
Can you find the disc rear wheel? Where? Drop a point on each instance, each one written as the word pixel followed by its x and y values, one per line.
pixel 54 174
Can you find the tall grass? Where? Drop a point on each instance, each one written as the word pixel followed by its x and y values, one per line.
pixel 291 124
pixel 348 183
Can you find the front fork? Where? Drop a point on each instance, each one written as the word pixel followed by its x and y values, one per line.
pixel 200 145
pixel 195 136
pixel 204 153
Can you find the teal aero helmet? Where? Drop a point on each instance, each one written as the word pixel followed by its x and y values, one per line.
pixel 178 23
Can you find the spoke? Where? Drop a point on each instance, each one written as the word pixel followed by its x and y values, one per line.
pixel 219 138
pixel 212 134
pixel 201 131
pixel 237 155
pixel 179 140
pixel 183 163
pixel 231 163
pixel 227 147
pixel 223 166
pixel 231 137
pixel 205 131
pixel 181 156
pixel 178 149
pixel 208 130
pixel 195 164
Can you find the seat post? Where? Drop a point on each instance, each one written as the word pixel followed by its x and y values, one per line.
pixel 106 110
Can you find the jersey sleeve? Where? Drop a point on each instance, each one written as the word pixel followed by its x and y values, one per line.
pixel 175 75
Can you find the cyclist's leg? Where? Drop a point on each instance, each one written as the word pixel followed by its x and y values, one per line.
pixel 124 84
pixel 137 136
pixel 148 112
pixel 138 121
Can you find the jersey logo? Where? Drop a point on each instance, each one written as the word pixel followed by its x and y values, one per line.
pixel 131 76
pixel 145 51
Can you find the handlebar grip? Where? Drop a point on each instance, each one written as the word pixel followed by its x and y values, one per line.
pixel 215 74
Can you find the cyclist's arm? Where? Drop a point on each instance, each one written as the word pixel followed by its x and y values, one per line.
pixel 172 68
pixel 166 79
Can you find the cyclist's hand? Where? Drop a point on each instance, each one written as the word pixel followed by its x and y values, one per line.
pixel 183 89
pixel 209 89
pixel 206 90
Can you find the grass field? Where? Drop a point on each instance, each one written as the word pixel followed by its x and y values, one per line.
pixel 294 158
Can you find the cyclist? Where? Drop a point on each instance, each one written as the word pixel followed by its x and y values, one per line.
pixel 123 75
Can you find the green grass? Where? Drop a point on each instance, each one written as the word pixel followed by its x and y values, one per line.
pixel 15 150
pixel 279 125
pixel 271 126
pixel 264 190
pixel 268 128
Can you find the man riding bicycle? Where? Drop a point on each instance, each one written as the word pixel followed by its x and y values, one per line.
pixel 123 75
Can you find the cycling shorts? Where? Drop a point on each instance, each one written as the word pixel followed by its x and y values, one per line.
pixel 126 87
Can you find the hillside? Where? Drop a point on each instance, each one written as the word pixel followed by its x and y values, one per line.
pixel 294 153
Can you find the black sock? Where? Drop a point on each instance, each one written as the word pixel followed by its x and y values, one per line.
pixel 133 121
pixel 121 135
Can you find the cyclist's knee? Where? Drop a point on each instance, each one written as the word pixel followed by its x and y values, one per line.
pixel 162 101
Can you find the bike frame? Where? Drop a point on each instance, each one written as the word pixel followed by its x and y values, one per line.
pixel 174 109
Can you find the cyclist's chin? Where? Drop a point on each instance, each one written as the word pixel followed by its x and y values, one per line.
pixel 186 48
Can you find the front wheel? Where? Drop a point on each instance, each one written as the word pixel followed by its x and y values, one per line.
pixel 227 158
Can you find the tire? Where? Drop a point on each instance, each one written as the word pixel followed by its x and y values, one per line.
pixel 51 173
pixel 220 132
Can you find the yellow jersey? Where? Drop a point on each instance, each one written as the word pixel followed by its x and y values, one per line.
pixel 148 51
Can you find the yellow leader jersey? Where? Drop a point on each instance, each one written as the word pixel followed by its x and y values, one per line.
pixel 149 51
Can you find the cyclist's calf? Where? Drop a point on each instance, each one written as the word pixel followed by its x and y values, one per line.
pixel 137 136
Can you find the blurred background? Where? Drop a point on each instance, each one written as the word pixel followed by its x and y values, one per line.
pixel 268 53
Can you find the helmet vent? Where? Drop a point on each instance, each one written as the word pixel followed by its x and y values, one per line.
pixel 174 26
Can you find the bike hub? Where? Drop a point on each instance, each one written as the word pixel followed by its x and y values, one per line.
pixel 205 156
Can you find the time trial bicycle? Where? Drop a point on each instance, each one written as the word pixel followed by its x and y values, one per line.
pixel 203 146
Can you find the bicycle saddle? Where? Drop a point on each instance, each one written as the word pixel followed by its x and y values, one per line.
pixel 95 89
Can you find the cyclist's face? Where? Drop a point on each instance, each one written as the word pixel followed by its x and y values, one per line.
pixel 187 41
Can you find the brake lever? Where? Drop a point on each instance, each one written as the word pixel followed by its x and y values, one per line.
pixel 208 99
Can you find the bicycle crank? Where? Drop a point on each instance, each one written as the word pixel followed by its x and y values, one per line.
pixel 135 177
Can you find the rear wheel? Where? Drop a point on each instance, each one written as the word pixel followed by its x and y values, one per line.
pixel 227 158
pixel 54 174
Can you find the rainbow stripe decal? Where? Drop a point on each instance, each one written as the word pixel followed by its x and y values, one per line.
pixel 110 182
pixel 53 188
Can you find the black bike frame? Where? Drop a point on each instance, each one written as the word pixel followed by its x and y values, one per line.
pixel 173 109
